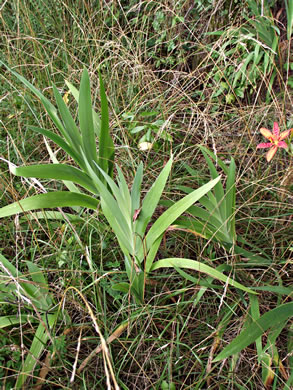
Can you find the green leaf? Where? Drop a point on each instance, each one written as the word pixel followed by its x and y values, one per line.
pixel 124 191
pixel 230 199
pixel 119 204
pixel 96 118
pixel 122 287
pixel 206 216
pixel 42 291
pixel 71 186
pixel 219 201
pixel 16 320
pixel 20 285
pixel 255 314
pixel 86 119
pixel 256 329
pixel 38 277
pixel 136 188
pixel 106 146
pixel 242 70
pixel 254 258
pixel 51 110
pixel 51 215
pixel 68 121
pixel 9 271
pixel 113 210
pixel 124 239
pixel 204 282
pixel 60 142
pixel 152 198
pixel 39 342
pixel 289 12
pixel 217 160
pixel 57 172
pixel 49 200
pixel 171 214
pixel 200 267
pixel 136 279
pixel 275 289
pixel 212 207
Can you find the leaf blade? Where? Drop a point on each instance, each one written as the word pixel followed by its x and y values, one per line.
pixel 200 267
pixel 172 213
pixel 256 329
pixel 106 145
pixel 86 119
pixel 57 172
pixel 49 200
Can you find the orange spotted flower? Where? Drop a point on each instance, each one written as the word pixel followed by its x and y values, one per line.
pixel 276 140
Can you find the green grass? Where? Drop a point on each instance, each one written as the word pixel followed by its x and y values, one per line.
pixel 153 56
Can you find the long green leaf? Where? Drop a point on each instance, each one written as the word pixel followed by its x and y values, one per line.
pixel 9 271
pixel 275 289
pixel 60 142
pixel 38 277
pixel 121 195
pixel 56 171
pixel 112 208
pixel 106 146
pixel 204 282
pixel 289 11
pixel 86 119
pixel 170 215
pixel 68 121
pixel 151 254
pixel 123 236
pixel 16 320
pixel 15 282
pixel 69 184
pixel 254 258
pixel 51 215
pixel 50 201
pixel 39 342
pixel 212 207
pixel 204 229
pixel 200 267
pixel 255 315
pixel 204 215
pixel 203 224
pixel 152 198
pixel 217 160
pixel 230 199
pixel 256 329
pixel 51 110
pixel 124 190
pixel 96 118
pixel 135 190
pixel 219 201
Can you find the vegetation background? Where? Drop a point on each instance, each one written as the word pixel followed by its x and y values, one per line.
pixel 177 74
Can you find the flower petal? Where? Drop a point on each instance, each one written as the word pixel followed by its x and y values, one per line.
pixel 267 134
pixel 276 129
pixel 282 144
pixel 285 134
pixel 264 145
pixel 271 153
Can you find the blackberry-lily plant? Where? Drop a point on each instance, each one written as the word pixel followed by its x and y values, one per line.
pixel 121 207
pixel 214 217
